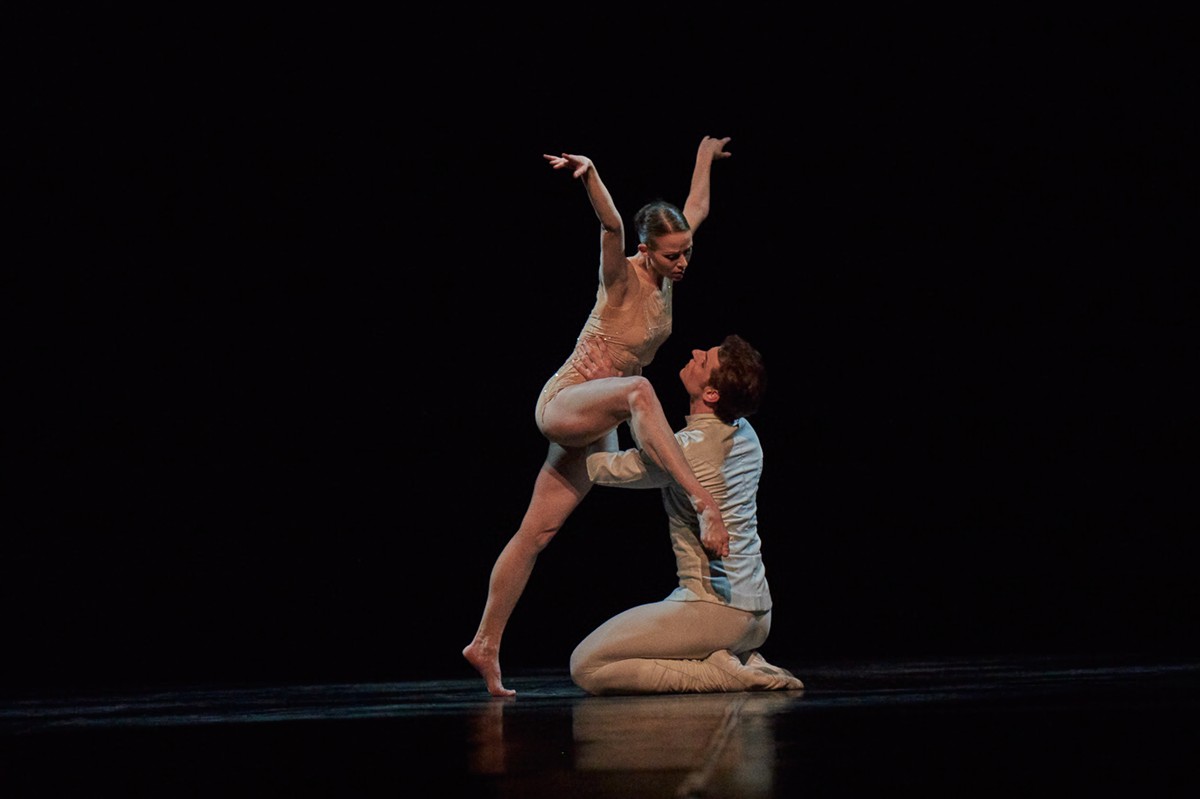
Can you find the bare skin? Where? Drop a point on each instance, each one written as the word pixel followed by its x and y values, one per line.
pixel 585 416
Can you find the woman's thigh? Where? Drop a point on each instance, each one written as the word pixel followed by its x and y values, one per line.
pixel 561 484
pixel 585 413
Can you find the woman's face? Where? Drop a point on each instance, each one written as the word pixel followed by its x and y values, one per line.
pixel 670 255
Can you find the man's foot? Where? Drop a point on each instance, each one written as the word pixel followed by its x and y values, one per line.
pixel 780 678
pixel 487 663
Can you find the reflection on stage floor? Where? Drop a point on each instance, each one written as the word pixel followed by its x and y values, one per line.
pixel 947 727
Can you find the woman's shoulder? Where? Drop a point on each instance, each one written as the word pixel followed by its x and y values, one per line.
pixel 617 281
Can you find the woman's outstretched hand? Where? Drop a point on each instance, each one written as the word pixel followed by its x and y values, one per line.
pixel 715 147
pixel 579 163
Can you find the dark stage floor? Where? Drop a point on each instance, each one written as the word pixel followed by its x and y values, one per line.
pixel 972 727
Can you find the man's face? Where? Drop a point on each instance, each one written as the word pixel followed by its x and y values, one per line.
pixel 696 372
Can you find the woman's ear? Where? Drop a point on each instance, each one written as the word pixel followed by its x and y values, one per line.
pixel 710 395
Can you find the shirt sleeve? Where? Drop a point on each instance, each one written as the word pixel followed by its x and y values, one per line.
pixel 631 468
pixel 626 469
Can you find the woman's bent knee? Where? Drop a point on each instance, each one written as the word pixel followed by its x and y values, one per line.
pixel 641 393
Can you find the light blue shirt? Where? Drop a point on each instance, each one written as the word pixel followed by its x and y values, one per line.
pixel 727 459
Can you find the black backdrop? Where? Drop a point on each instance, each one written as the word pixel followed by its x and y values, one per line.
pixel 296 291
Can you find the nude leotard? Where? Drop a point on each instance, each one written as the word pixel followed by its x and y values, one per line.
pixel 633 333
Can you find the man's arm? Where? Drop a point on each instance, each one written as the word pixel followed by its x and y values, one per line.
pixel 628 468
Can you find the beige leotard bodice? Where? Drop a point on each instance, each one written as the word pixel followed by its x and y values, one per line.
pixel 632 332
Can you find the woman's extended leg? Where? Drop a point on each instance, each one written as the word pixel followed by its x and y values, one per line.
pixel 561 485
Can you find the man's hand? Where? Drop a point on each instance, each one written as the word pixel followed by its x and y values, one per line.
pixel 592 361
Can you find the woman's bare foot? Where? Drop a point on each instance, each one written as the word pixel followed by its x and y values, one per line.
pixel 487 663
